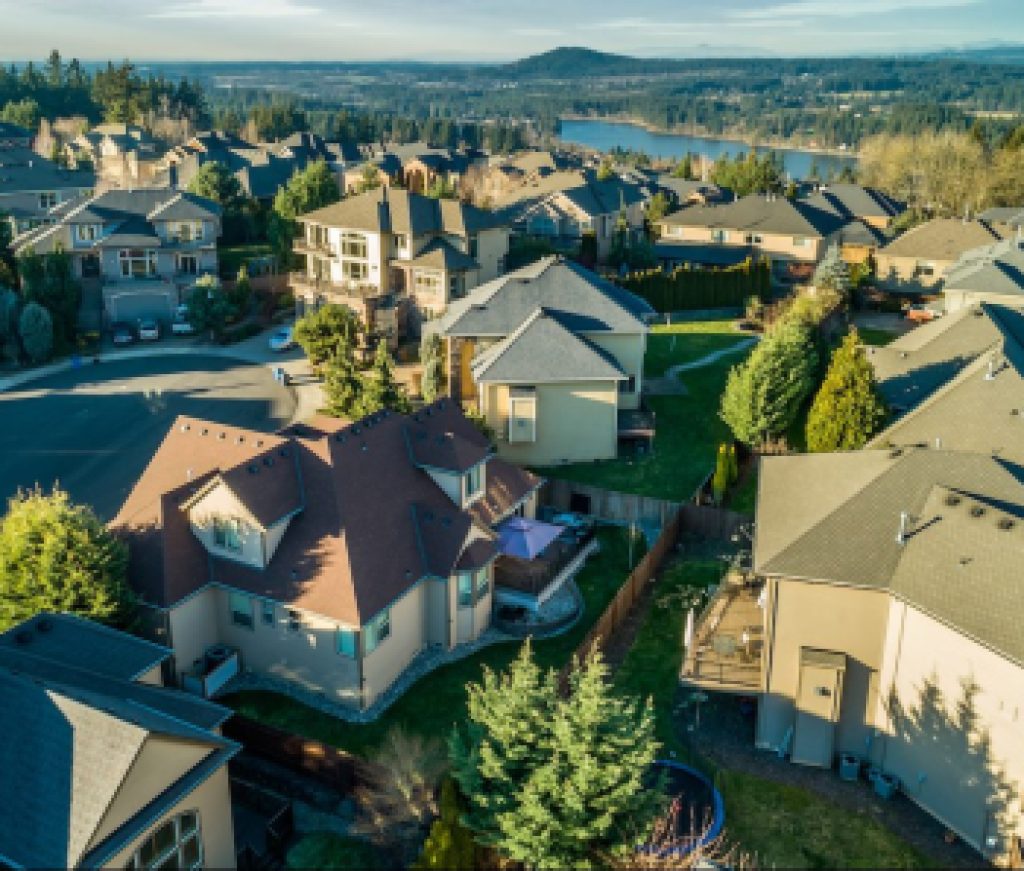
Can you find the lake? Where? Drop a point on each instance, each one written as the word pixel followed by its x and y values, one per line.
pixel 606 135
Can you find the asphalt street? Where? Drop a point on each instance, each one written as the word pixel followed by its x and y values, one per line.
pixel 94 429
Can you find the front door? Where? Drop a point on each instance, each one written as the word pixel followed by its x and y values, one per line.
pixel 817 707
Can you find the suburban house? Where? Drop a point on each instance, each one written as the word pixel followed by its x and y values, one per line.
pixel 33 188
pixel 793 234
pixel 102 765
pixel 141 250
pixel 688 191
pixel 1012 216
pixel 397 258
pixel 122 155
pixel 325 558
pixel 552 356
pixel 563 206
pixel 919 258
pixel 854 201
pixel 992 273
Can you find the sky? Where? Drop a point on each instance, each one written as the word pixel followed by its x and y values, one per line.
pixel 465 30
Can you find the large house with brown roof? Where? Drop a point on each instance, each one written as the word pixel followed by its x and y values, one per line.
pixel 329 555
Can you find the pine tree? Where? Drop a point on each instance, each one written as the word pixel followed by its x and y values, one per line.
pixel 848 409
pixel 319 332
pixel 380 388
pixel 833 273
pixel 433 367
pixel 450 844
pixel 343 388
pixel 764 394
pixel 556 783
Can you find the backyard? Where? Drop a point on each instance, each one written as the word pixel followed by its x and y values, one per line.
pixel 784 826
pixel 688 428
pixel 438 700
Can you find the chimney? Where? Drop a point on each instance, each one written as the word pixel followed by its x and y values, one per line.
pixel 901 533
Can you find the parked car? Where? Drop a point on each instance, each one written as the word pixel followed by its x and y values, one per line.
pixel 921 313
pixel 122 334
pixel 281 339
pixel 181 326
pixel 149 330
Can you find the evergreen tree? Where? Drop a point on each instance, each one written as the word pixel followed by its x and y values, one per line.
pixel 450 845
pixel 432 358
pixel 308 189
pixel 56 556
pixel 209 307
pixel 343 388
pixel 318 332
pixel 552 782
pixel 684 169
pixel 35 326
pixel 848 409
pixel 8 324
pixel 380 388
pixel 764 394
pixel 720 479
pixel 369 178
pixel 833 273
pixel 605 170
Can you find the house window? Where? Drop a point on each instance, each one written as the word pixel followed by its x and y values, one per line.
pixel 377 630
pixel 483 583
pixel 241 609
pixel 754 239
pixel 427 282
pixel 474 246
pixel 719 236
pixel 137 262
pixel 346 642
pixel 353 245
pixel 629 385
pixel 227 533
pixel 294 621
pixel 465 590
pixel 355 270
pixel 187 231
pixel 801 242
pixel 927 268
pixel 176 844
pixel 474 481
pixel 188 264
pixel 87 232
pixel 47 199
pixel 522 414
pixel 401 241
pixel 267 612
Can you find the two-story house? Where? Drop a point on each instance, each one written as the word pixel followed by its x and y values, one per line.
pixel 33 188
pixel 793 234
pixel 397 258
pixel 991 273
pixel 327 556
pixel 552 356
pixel 122 155
pixel 103 766
pixel 143 248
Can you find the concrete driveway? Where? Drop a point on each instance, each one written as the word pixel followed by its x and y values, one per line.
pixel 94 429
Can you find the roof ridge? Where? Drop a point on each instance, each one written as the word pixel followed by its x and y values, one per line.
pixel 511 339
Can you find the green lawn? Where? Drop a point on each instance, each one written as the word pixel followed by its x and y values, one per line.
pixel 688 432
pixel 438 700
pixel 785 826
pixel 668 344
pixel 744 497
pixel 328 850
pixel 872 336
pixel 232 257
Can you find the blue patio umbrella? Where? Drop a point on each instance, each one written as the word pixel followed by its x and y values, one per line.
pixel 525 539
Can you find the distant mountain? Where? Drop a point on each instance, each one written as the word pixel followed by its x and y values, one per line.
pixel 990 53
pixel 571 62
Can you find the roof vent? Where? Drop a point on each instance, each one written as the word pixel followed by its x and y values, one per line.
pixel 253 469
pixel 952 500
pixel 239 440
pixel 363 447
pixel 1014 412
pixel 185 427
pixel 268 461
pixel 977 312
pixel 259 443
pixel 222 436
pixel 977 511
pixel 206 431
pixel 44 624
pixel 1006 523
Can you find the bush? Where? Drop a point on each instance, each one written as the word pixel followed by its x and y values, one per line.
pixel 330 851
pixel 239 333
pixel 35 326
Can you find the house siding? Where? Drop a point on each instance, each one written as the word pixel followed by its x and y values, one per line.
pixel 628 351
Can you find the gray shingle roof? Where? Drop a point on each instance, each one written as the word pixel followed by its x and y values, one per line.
pixel 855 201
pixel 581 300
pixel 543 350
pixel 21 169
pixel 441 254
pixel 399 211
pixel 1012 215
pixel 995 269
pixel 965 544
pixel 71 737
pixel 757 212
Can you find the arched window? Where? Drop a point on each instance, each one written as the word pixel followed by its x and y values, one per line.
pixel 175 844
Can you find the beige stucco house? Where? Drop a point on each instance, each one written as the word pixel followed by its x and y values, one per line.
pixel 102 766
pixel 326 557
pixel 386 251
pixel 552 356
pixel 993 273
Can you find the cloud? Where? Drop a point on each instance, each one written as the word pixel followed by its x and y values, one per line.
pixel 240 9
pixel 833 9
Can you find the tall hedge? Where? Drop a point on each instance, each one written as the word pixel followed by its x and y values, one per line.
pixel 685 289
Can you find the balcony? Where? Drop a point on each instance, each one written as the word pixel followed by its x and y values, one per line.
pixel 306 246
pixel 362 290
pixel 530 583
pixel 727 649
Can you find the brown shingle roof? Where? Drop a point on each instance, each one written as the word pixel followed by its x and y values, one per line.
pixel 373 523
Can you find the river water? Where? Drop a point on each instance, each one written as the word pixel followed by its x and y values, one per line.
pixel 606 135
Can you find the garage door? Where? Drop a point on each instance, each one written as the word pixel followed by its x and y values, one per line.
pixel 131 305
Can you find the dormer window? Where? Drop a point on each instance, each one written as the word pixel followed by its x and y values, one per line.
pixel 227 533
pixel 474 482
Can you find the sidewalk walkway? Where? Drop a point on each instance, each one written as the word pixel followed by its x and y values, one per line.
pixel 669 384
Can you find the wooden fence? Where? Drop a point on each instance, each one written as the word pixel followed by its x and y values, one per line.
pixel 321 761
pixel 605 504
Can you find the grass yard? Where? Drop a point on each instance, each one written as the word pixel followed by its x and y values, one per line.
pixel 232 257
pixel 669 344
pixel 744 497
pixel 328 850
pixel 438 700
pixel 688 433
pixel 876 337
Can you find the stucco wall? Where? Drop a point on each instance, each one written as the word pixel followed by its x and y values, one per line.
pixel 220 502
pixel 952 718
pixel 771 244
pixel 628 351
pixel 383 665
pixel 492 246
pixel 193 625
pixel 212 801
pixel 841 619
pixel 900 272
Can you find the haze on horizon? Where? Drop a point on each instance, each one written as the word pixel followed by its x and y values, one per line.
pixel 487 30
